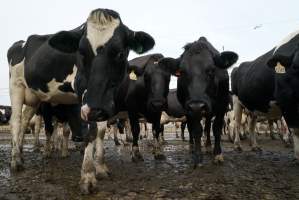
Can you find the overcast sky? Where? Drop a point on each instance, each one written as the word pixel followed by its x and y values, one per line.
pixel 249 28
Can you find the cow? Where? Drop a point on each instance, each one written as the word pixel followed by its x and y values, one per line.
pixel 203 90
pixel 85 65
pixel 143 95
pixel 266 87
pixel 283 63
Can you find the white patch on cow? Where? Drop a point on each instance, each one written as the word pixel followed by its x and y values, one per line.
pixel 71 77
pixel 286 40
pixel 85 110
pixel 56 96
pixel 100 29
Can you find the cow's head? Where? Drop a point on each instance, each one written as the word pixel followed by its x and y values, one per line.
pixel 102 59
pixel 200 68
pixel 285 64
pixel 155 77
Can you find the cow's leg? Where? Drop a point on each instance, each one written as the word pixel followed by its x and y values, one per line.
pixel 161 134
pixel 65 141
pixel 283 132
pixel 135 127
pixel 217 130
pixel 17 95
pixel 27 114
pixel 128 131
pixel 176 126
pixel 100 165
pixel 183 126
pixel 115 137
pixel 195 130
pixel 157 129
pixel 37 128
pixel 145 130
pixel 295 132
pixel 238 118
pixel 252 132
pixel 207 131
pixel 271 129
pixel 88 173
pixel 48 132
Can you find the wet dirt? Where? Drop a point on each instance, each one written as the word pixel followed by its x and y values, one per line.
pixel 271 174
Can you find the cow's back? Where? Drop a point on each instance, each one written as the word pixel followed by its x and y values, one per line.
pixel 253 83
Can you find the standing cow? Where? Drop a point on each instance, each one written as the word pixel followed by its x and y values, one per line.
pixel 269 92
pixel 85 65
pixel 203 90
pixel 284 64
pixel 145 97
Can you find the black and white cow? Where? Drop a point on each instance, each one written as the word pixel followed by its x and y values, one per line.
pixel 269 92
pixel 145 97
pixel 203 90
pixel 85 64
pixel 285 62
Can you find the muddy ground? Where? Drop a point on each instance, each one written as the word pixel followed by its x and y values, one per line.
pixel 270 174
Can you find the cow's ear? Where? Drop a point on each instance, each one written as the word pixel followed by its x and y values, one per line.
pixel 141 42
pixel 226 59
pixel 171 65
pixel 276 59
pixel 65 41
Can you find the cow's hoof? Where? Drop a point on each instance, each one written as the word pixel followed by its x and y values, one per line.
pixel 209 149
pixel 238 149
pixel 218 159
pixel 47 154
pixel 159 156
pixel 256 149
pixel 129 139
pixel 116 142
pixel 198 165
pixel 243 136
pixel 65 154
pixel 102 172
pixel 136 155
pixel 36 149
pixel 87 183
pixel 16 166
pixel 272 136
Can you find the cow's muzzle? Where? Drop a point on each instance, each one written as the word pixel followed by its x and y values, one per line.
pixel 198 107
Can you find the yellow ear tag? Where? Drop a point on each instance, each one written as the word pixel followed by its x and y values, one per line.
pixel 133 76
pixel 279 68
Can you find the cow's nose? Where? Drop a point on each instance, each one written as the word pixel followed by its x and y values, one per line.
pixel 198 107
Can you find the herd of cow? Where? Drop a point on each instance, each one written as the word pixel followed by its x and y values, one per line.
pixel 83 78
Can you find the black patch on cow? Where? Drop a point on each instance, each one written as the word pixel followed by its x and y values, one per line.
pixel 15 53
pixel 66 87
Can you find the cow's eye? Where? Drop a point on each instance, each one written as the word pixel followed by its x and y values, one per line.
pixel 120 55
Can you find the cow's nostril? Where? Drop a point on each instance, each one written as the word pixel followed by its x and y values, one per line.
pixel 198 107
